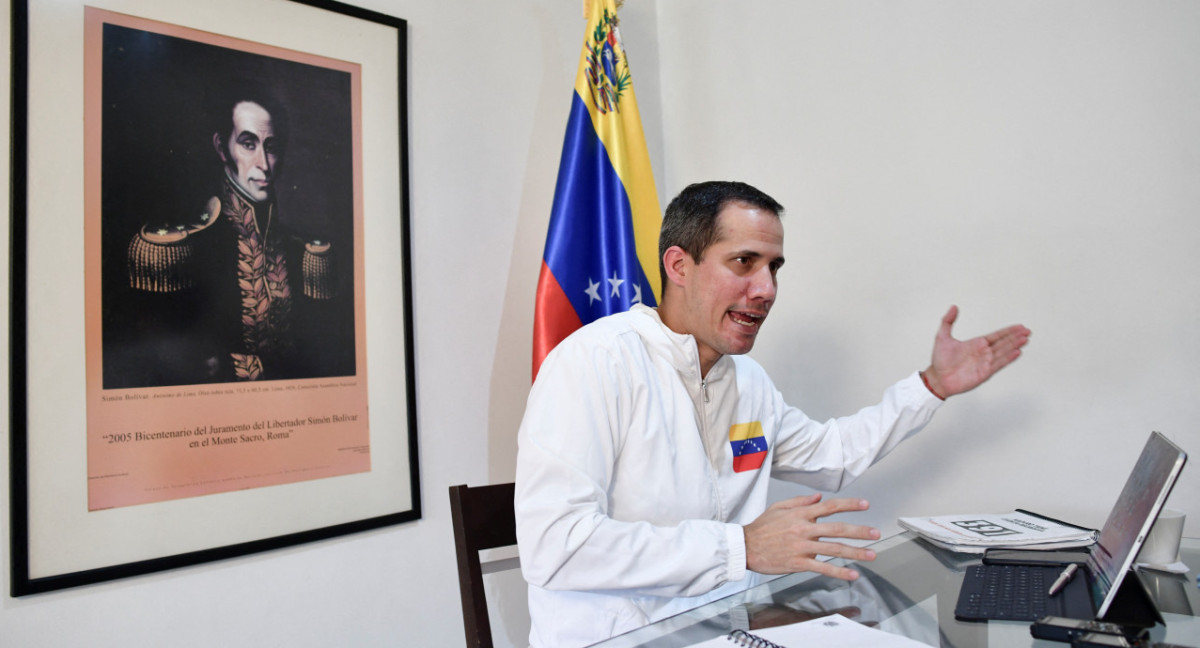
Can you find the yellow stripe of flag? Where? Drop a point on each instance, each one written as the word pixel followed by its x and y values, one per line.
pixel 743 431
pixel 623 138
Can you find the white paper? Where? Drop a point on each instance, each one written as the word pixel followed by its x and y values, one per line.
pixel 833 630
pixel 976 532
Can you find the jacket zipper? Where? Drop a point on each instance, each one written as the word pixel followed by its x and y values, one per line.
pixel 714 471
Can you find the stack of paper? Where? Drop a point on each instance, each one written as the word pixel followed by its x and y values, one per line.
pixel 975 533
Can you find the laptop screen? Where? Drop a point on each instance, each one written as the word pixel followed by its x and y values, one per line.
pixel 1129 522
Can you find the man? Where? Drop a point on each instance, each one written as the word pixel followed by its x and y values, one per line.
pixel 649 440
pixel 232 295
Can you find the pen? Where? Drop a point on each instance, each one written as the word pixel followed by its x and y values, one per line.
pixel 1063 578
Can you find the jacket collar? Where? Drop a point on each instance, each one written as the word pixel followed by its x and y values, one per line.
pixel 679 348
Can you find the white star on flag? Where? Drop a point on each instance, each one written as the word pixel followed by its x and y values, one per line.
pixel 616 285
pixel 592 291
pixel 637 293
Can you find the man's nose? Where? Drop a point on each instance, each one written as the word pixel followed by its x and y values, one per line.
pixel 762 285
pixel 262 160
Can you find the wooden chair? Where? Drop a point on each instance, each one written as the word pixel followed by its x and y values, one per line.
pixel 483 519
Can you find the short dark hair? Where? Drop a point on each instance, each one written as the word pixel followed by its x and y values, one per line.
pixel 691 219
pixel 228 95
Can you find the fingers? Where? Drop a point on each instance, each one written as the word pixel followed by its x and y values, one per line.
pixel 1013 336
pixel 951 315
pixel 816 552
pixel 1006 345
pixel 789 537
pixel 948 320
pixel 797 502
pixel 844 504
pixel 1014 331
pixel 844 530
pixel 820 509
pixel 811 509
pixel 829 569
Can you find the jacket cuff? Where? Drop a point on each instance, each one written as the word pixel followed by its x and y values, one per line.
pixel 735 540
pixel 915 385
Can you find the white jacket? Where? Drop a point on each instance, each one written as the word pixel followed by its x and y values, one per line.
pixel 628 506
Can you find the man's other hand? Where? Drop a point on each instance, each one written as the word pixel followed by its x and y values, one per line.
pixel 788 537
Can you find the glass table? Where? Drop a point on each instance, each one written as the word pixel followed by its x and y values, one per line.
pixel 909 589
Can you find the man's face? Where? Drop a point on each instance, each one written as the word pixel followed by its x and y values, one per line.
pixel 729 293
pixel 250 151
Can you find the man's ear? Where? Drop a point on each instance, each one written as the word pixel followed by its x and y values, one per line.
pixel 220 149
pixel 678 265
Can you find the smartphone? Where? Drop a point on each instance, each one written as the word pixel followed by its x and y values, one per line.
pixel 1033 557
pixel 1063 629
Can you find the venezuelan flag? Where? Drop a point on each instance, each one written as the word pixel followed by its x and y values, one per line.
pixel 749 446
pixel 601 252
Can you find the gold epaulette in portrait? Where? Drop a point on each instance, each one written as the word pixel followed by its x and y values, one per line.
pixel 318 271
pixel 162 257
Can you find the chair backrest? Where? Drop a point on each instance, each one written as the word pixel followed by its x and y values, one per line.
pixel 483 519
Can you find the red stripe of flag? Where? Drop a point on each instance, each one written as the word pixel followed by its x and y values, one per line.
pixel 554 317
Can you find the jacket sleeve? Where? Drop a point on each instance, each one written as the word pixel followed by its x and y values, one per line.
pixel 571 436
pixel 830 455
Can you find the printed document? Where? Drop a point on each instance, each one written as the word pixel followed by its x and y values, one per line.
pixel 974 533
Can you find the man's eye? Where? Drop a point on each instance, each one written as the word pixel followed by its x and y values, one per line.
pixel 249 145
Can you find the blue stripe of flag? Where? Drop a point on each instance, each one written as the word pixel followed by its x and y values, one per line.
pixel 590 237
pixel 748 446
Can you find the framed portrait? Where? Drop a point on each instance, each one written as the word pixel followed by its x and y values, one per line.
pixel 210 231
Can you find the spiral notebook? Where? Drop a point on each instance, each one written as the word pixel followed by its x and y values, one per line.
pixel 833 630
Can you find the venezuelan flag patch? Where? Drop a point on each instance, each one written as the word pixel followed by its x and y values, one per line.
pixel 749 446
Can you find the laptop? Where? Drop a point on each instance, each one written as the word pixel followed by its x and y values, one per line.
pixel 1096 591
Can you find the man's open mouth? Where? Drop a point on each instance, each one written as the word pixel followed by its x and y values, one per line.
pixel 747 319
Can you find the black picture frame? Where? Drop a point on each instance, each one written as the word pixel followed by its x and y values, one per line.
pixel 392 360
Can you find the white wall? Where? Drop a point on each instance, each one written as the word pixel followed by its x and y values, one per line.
pixel 1027 161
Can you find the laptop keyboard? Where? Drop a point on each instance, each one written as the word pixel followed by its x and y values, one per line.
pixel 1006 592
